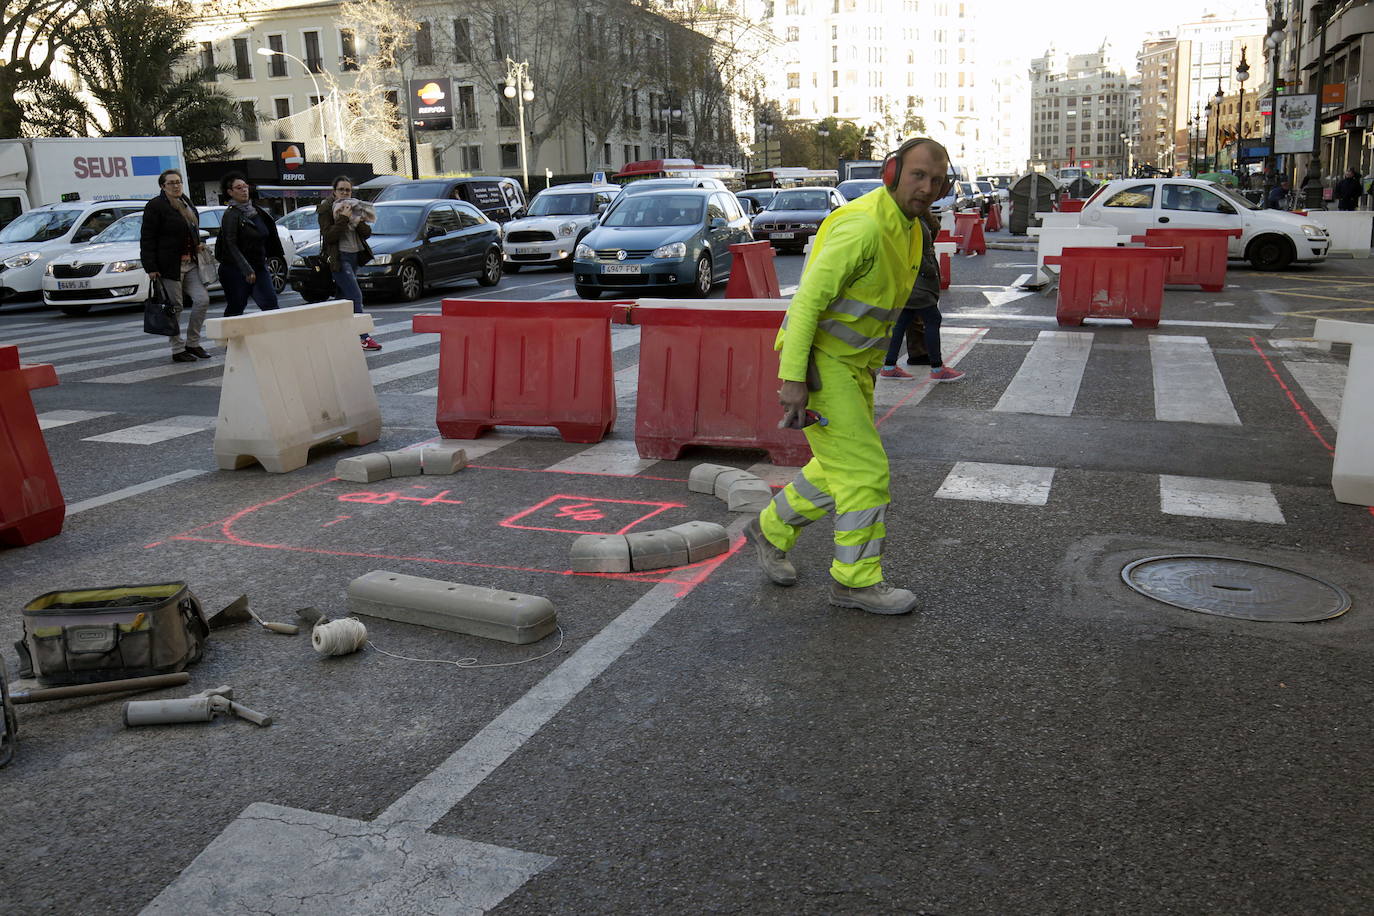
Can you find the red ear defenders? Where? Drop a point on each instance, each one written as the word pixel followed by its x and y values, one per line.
pixel 892 165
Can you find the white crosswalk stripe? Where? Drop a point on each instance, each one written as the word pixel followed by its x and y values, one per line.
pixel 404 369
pixel 52 419
pixel 154 347
pixel 1187 382
pixel 1020 485
pixel 1049 377
pixel 159 431
pixel 1324 384
pixel 955 344
pixel 65 338
pixel 166 370
pixel 1238 500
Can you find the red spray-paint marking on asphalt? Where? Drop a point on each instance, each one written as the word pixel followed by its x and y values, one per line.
pixel 1291 398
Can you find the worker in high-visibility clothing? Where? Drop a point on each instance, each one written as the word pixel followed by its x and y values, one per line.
pixel 864 262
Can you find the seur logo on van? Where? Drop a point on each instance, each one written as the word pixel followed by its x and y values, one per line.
pixel 122 166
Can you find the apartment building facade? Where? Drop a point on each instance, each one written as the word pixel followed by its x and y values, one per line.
pixel 1079 112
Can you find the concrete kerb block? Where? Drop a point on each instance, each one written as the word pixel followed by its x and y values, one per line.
pixel 364 468
pixel 443 459
pixel 728 479
pixel 601 553
pixel 704 539
pixel 703 477
pixel 405 462
pixel 749 495
pixel 452 606
pixel 657 549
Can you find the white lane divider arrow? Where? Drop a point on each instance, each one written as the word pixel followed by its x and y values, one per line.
pixel 1006 295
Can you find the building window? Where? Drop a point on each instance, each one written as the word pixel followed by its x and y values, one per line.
pixel 424 48
pixel 207 61
pixel 276 64
pixel 794 81
pixel 606 154
pixel 467 108
pixel 505 111
pixel 793 33
pixel 472 158
pixel 501 36
pixel 314 61
pixel 636 159
pixel 348 48
pixel 243 61
pixel 249 115
pixel 510 155
pixel 462 41
pixel 393 107
pixel 626 150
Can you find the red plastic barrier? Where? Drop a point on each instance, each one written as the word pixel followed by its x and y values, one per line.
pixel 1204 255
pixel 1112 283
pixel 945 236
pixel 31 503
pixel 994 221
pixel 1070 205
pixel 752 274
pixel 969 228
pixel 944 270
pixel 708 375
pixel 524 364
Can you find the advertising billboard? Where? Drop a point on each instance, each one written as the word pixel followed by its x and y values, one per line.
pixel 431 106
pixel 1296 125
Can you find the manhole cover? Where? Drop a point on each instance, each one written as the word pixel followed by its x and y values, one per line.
pixel 1242 589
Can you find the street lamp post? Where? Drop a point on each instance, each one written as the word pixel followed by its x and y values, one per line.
pixel 1274 43
pixel 1216 120
pixel 324 134
pixel 824 134
pixel 521 88
pixel 1126 153
pixel 1192 141
pixel 766 128
pixel 1242 74
pixel 670 113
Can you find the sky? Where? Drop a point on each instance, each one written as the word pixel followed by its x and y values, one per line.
pixel 1025 28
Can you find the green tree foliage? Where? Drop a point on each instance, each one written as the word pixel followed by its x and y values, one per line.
pixel 135 77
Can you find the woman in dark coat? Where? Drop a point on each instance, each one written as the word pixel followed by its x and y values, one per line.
pixel 169 245
pixel 247 238
pixel 1348 190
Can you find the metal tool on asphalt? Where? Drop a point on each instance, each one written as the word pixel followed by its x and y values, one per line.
pixel 200 707
pixel 238 611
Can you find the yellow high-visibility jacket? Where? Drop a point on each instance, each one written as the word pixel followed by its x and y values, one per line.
pixel 863 264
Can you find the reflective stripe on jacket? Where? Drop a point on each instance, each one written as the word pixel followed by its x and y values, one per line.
pixel 863 264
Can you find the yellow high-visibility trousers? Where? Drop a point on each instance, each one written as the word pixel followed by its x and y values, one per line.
pixel 847 472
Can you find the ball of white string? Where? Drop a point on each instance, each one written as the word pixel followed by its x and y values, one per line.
pixel 339 637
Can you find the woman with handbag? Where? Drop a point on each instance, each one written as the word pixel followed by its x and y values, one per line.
pixel 343 245
pixel 247 238
pixel 170 249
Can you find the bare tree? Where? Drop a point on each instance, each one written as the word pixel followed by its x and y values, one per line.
pixel 32 33
pixel 369 116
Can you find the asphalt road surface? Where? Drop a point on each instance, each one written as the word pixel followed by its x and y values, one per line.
pixel 1037 738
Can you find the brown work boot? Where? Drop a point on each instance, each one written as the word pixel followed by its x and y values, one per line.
pixel 879 598
pixel 773 561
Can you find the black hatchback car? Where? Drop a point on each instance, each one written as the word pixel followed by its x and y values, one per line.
pixel 414 243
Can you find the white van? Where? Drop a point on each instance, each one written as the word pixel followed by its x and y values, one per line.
pixel 34 238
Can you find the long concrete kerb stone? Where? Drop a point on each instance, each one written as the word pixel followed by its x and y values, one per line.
pixel 702 478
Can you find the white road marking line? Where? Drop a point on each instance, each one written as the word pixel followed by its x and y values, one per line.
pixel 787 292
pixel 1110 322
pixel 1019 485
pixel 627 383
pixel 429 800
pixel 1049 377
pixel 1237 500
pixel 155 347
pixel 404 369
pixel 624 337
pixel 1324 384
pixel 1006 295
pixel 159 431
pixel 154 372
pixel 9 328
pixel 1292 343
pixel 1188 384
pixel 68 338
pixel 1006 343
pixel 52 419
pixel 609 456
pixel 136 490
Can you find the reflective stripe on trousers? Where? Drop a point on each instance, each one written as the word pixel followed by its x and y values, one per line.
pixel 848 471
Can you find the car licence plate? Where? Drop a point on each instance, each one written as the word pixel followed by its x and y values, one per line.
pixel 525 250
pixel 784 235
pixel 620 269
pixel 73 284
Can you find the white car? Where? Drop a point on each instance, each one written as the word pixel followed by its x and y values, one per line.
pixel 1270 239
pixel 303 225
pixel 212 217
pixel 33 239
pixel 557 220
pixel 106 272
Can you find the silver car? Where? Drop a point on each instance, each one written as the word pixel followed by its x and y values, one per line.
pixel 558 218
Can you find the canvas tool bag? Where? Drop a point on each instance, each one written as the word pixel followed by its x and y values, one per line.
pixel 98 634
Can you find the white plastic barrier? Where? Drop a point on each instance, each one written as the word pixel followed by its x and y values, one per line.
pixel 1053 240
pixel 1352 475
pixel 947 222
pixel 293 378
pixel 1057 220
pixel 1350 230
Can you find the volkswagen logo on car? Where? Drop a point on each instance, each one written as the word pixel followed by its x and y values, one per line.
pixel 620 255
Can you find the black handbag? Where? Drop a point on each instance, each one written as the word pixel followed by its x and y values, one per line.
pixel 159 315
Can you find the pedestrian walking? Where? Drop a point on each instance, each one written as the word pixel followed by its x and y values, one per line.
pixel 247 238
pixel 170 248
pixel 864 262
pixel 923 309
pixel 1348 190
pixel 343 244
